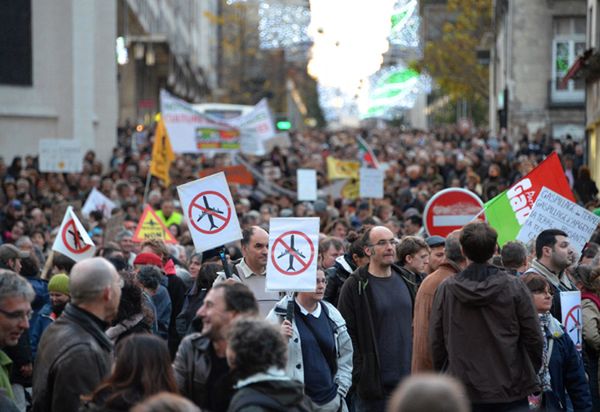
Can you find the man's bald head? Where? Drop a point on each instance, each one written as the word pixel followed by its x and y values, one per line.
pixel 89 278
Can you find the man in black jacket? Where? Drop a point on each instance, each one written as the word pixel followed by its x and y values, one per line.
pixel 377 302
pixel 75 354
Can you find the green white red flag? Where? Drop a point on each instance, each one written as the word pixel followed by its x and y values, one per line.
pixel 508 211
pixel 365 154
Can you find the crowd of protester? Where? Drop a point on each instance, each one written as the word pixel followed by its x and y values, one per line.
pixel 149 326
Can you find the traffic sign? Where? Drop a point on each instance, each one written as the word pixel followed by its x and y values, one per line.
pixel 151 227
pixel 209 212
pixel 292 248
pixel 449 210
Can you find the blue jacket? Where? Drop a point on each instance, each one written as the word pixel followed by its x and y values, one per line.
pixel 567 376
pixel 38 326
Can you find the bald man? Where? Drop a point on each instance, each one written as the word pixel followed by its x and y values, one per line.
pixel 74 354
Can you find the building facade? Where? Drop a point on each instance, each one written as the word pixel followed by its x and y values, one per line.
pixel 58 75
pixel 536 41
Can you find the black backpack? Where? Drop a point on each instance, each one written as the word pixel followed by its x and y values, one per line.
pixel 248 396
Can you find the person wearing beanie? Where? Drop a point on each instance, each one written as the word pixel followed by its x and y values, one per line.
pixel 58 289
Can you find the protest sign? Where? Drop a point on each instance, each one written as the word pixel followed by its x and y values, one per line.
pixel 60 156
pixel 234 174
pixel 114 225
pixel 210 212
pixel 307 184
pixel 570 303
pixel 292 258
pixel 72 240
pixel 342 169
pixel 371 183
pixel 553 211
pixel 98 201
pixel 151 227
pixel 255 128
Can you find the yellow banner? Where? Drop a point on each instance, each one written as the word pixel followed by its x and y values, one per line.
pixel 162 154
pixel 342 169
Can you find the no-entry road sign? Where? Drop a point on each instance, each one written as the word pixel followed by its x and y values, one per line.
pixel 449 210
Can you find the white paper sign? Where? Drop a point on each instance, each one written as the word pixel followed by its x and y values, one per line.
pixel 371 183
pixel 72 240
pixel 210 212
pixel 60 156
pixel 570 303
pixel 293 251
pixel 553 211
pixel 98 201
pixel 307 184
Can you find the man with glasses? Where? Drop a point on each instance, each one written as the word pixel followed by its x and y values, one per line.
pixel 377 304
pixel 16 295
pixel 319 347
pixel 74 354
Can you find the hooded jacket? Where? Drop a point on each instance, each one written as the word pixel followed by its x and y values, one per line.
pixel 336 276
pixel 485 331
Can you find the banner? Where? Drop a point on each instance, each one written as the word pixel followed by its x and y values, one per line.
pixel 508 211
pixel 341 189
pixel 342 169
pixel 72 240
pixel 209 212
pixel 192 132
pixel 162 154
pixel 234 174
pixel 366 156
pixel 553 211
pixel 293 251
pixel 98 201
pixel 60 156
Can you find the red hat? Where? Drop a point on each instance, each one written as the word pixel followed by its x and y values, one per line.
pixel 148 259
pixel 170 267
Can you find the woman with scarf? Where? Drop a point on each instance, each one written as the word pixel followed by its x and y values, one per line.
pixel 562 371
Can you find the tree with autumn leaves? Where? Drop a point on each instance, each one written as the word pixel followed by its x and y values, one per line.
pixel 451 59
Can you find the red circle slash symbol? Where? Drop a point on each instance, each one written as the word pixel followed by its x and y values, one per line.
pixel 214 209
pixel 292 253
pixel 572 322
pixel 73 240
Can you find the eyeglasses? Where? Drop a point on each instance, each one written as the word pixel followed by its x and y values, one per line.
pixel 385 242
pixel 17 315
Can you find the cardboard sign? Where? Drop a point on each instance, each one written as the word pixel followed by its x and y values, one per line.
pixel 72 240
pixel 113 226
pixel 307 184
pixel 371 183
pixel 293 250
pixel 209 212
pixel 572 320
pixel 151 227
pixel 553 211
pixel 60 156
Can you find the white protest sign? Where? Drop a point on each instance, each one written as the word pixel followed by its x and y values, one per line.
pixel 60 156
pixel 193 132
pixel 72 240
pixel 570 303
pixel 293 250
pixel 281 140
pixel 371 183
pixel 255 127
pixel 98 201
pixel 209 211
pixel 553 211
pixel 307 184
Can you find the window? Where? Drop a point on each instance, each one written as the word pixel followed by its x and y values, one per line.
pixel 568 43
pixel 15 46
